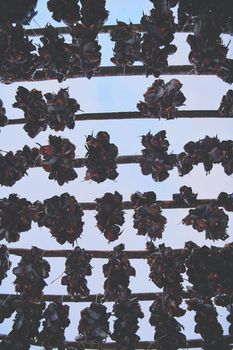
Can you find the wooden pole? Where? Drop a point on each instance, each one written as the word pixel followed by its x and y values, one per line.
pixel 134 115
pixel 106 29
pixel 91 297
pixel 96 254
pixel 114 71
pixel 191 344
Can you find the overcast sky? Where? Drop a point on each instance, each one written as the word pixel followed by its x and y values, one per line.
pixel 120 94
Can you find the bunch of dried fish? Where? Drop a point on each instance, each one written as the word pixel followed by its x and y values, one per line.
pixel 54 54
pixel 93 13
pixel 18 61
pixel 61 110
pixel 117 272
pixel 85 50
pixel 167 329
pixel 162 100
pixel 209 218
pixel 127 49
pixel 15 217
pixel 56 321
pixel 17 11
pixel 62 215
pixel 207 324
pixel 101 158
pixel 30 274
pixel 148 219
pixel 226 201
pixel 34 108
pixel 66 10
pixel 3 117
pixel 77 268
pixel 166 269
pixel 58 159
pixel 226 106
pixel 155 160
pixel 13 166
pixel 127 313
pixel 159 28
pixel 110 215
pixel 25 327
pixel 94 324
pixel 209 269
pixel 185 197
pixel 5 263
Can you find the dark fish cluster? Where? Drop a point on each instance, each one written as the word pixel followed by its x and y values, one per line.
pixel 207 324
pixel 57 111
pixel 67 11
pixel 56 321
pixel 15 217
pixel 207 49
pixel 168 331
pixel 166 269
pixel 30 274
pixel 110 215
pixel 61 110
pixel 86 55
pixel 93 12
pixel 83 55
pixel 226 201
pixel 17 11
pixel 94 324
pixel 209 218
pixel 100 158
pixel 155 160
pixel 3 117
pixel 62 215
pixel 221 13
pixel 159 28
pixel 13 166
pixel 54 54
pixel 225 72
pixel 5 263
pixel 25 327
pixel 208 151
pixel 210 18
pixel 185 197
pixel 209 269
pixel 127 313
pixel 77 268
pixel 7 308
pixel 117 273
pixel 148 219
pixel 162 100
pixel 18 59
pixel 127 49
pixel 153 48
pixel 34 108
pixel 226 106
pixel 58 159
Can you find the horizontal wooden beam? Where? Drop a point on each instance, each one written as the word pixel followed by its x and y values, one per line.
pixel 191 344
pixel 106 29
pixel 115 71
pixel 91 297
pixel 165 204
pixel 96 254
pixel 135 115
